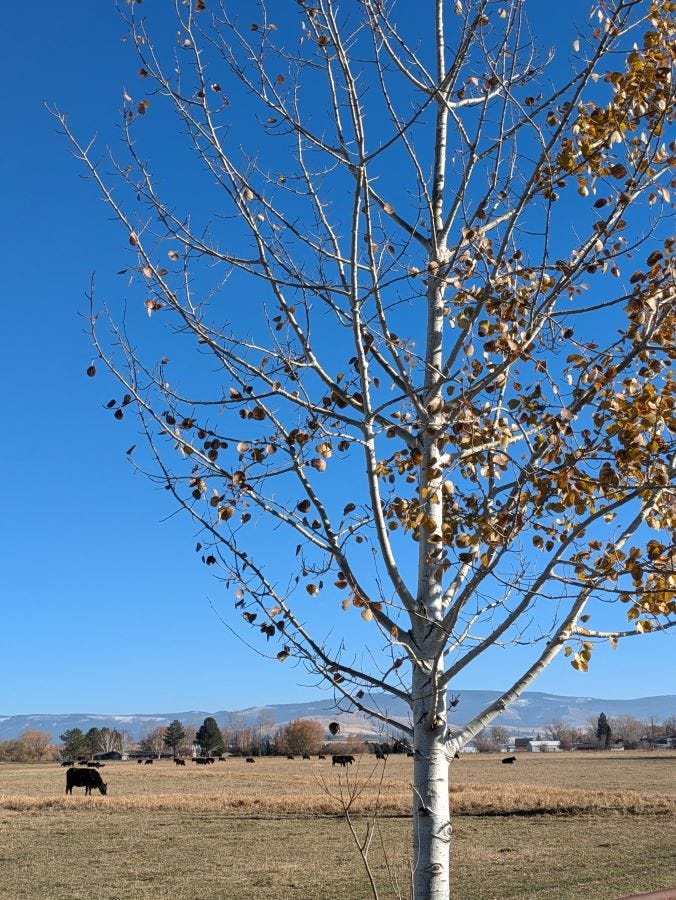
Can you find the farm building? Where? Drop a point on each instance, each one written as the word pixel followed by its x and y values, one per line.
pixel 531 745
pixel 543 746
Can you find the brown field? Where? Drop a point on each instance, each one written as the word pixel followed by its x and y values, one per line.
pixel 551 826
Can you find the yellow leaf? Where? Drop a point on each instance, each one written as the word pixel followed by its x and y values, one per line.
pixel 366 615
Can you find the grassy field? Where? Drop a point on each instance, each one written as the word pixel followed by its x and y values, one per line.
pixel 551 826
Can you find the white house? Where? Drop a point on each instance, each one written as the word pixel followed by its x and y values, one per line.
pixel 544 746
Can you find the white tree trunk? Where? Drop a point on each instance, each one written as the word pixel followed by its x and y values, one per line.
pixel 431 814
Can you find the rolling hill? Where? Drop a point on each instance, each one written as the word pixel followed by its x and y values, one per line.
pixel 528 714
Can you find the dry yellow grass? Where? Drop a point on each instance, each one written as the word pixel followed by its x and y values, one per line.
pixel 557 827
pixel 473 800
pixel 639 784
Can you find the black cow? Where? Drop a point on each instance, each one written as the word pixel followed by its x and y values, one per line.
pixel 380 755
pixel 179 762
pixel 410 753
pixel 95 765
pixel 321 756
pixel 290 756
pixel 508 759
pixel 67 763
pixel 148 762
pixel 140 762
pixel 342 759
pixel 306 756
pixel 250 759
pixel 86 778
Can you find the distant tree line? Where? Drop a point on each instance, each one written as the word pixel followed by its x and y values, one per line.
pixel 600 732
pixel 303 736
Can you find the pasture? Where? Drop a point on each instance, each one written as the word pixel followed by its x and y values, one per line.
pixel 550 826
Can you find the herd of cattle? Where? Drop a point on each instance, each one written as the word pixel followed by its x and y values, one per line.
pixel 88 776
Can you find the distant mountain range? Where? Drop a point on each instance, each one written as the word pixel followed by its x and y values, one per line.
pixel 530 713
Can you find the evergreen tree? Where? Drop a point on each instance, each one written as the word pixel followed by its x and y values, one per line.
pixel 93 739
pixel 603 730
pixel 74 743
pixel 174 735
pixel 209 736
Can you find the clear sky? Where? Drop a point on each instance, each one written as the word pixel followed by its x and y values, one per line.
pixel 105 606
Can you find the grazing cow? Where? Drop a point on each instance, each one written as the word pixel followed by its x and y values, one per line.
pixel 290 756
pixel 67 763
pixel 148 762
pixel 96 765
pixel 342 759
pixel 211 760
pixel 380 755
pixel 410 753
pixel 140 762
pixel 86 778
pixel 179 762
pixel 221 759
pixel 306 756
pixel 250 759
pixel 200 760
pixel 508 759
pixel 321 756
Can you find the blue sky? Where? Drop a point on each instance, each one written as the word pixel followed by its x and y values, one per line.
pixel 106 608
